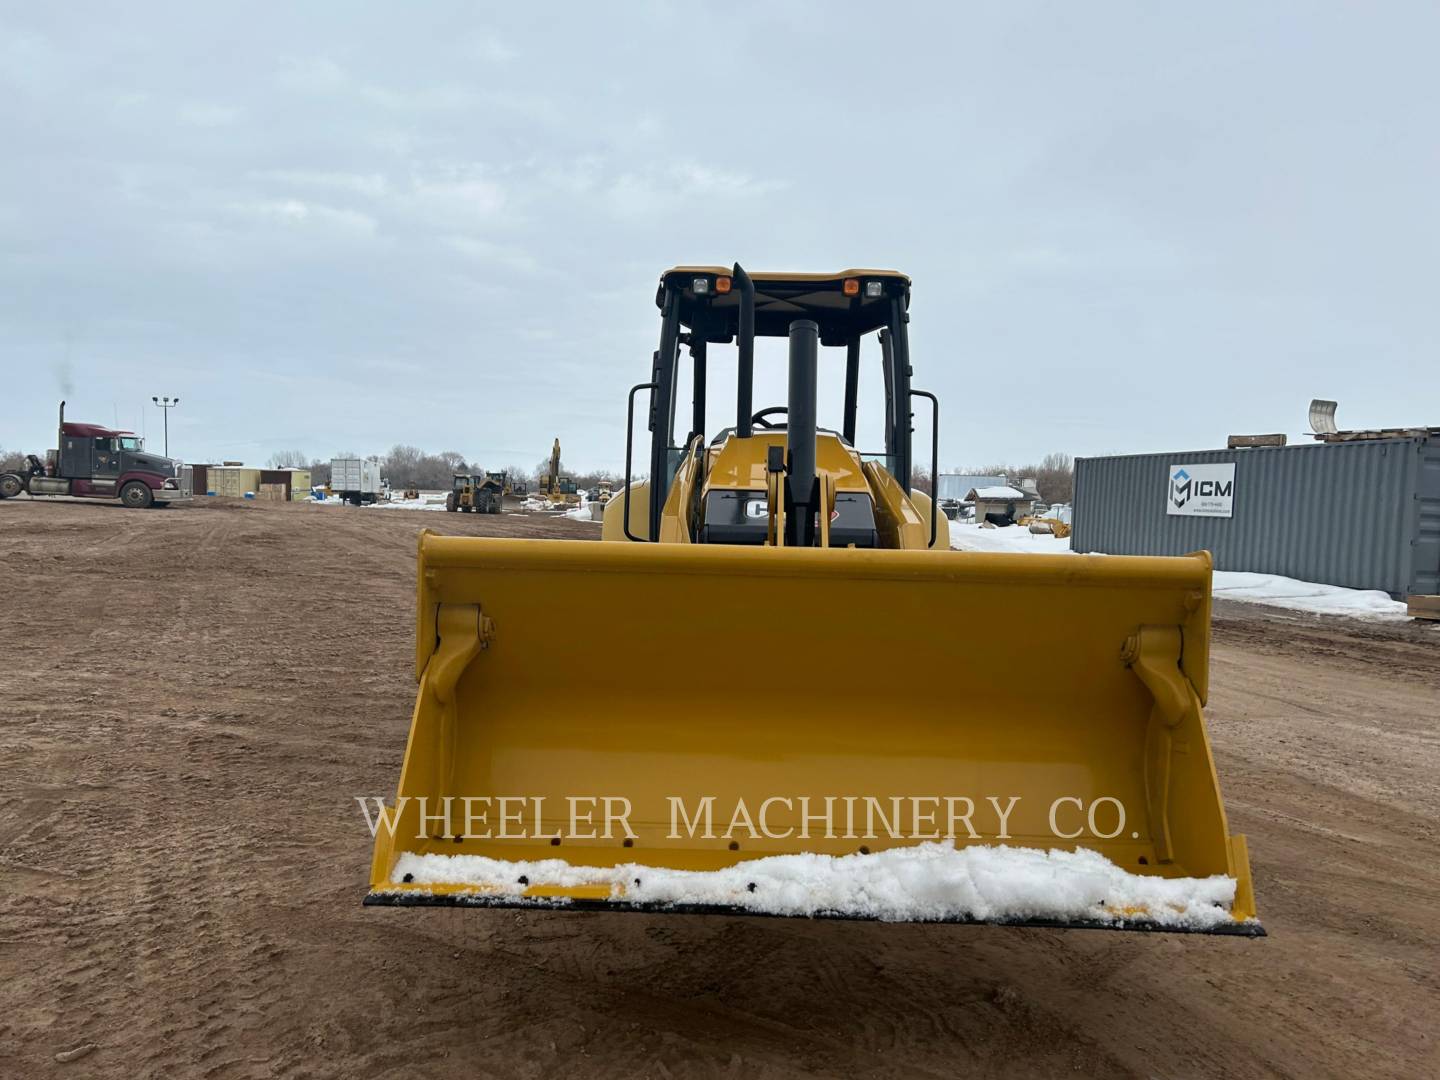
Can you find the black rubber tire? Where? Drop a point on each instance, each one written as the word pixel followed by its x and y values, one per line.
pixel 11 484
pixel 137 495
pixel 450 503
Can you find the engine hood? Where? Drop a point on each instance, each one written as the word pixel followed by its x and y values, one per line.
pixel 154 463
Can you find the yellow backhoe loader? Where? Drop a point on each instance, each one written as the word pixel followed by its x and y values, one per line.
pixel 798 651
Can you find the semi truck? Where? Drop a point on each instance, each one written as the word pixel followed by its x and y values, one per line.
pixel 95 462
pixel 356 480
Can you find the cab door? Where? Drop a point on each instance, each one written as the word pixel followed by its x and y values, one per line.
pixel 104 464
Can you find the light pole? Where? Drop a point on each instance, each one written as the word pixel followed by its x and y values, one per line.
pixel 167 404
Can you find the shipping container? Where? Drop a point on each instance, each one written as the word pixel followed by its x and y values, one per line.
pixel 1364 514
pixel 231 481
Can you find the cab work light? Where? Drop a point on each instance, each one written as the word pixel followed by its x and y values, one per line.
pixel 701 286
pixel 874 289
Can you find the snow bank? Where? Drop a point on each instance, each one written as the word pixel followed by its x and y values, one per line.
pixel 586 511
pixel 922 882
pixel 1308 596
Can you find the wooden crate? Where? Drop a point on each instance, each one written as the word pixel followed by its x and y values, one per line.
pixel 1424 607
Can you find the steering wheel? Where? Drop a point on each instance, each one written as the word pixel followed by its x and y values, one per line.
pixel 759 418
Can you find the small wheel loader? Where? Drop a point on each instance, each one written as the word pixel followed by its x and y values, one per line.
pixel 480 493
pixel 779 627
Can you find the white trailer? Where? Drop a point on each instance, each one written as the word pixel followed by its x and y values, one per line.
pixel 355 480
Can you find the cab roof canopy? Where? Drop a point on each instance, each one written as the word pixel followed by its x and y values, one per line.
pixel 92 431
pixel 782 298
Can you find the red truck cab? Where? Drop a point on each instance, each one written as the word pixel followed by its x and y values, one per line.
pixel 95 462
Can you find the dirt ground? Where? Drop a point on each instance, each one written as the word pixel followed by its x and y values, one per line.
pixel 193 696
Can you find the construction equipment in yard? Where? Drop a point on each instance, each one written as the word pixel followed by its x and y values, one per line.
pixel 781 605
pixel 1045 525
pixel 94 462
pixel 482 493
pixel 558 490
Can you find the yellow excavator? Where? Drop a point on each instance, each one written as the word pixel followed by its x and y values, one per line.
pixel 779 626
pixel 557 490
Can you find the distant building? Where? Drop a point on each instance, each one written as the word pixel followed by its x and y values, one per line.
pixel 1000 503
pixel 955 487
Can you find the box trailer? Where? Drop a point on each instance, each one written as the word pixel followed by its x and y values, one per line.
pixel 355 480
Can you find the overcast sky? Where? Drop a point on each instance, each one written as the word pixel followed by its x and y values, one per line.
pixel 340 226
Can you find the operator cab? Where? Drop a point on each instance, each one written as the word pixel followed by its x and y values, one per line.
pixel 703 306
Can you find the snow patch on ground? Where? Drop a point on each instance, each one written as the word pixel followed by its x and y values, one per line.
pixel 427 501
pixel 966 536
pixel 1307 596
pixel 921 882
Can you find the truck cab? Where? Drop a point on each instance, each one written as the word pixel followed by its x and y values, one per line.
pixel 96 462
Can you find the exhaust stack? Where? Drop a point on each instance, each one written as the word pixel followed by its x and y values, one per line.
pixel 745 346
pixel 800 432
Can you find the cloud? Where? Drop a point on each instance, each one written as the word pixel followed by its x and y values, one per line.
pixel 490 47
pixel 488 252
pixel 369 184
pixel 458 195
pixel 300 214
pixel 665 188
pixel 203 114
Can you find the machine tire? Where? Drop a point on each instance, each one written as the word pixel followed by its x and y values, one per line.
pixel 137 495
pixel 11 484
pixel 450 503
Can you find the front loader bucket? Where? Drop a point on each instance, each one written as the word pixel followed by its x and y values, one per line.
pixel 886 734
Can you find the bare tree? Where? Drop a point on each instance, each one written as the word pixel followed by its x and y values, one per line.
pixel 288 459
pixel 11 460
pixel 454 462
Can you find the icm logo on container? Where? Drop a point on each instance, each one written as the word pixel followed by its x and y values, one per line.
pixel 1201 490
